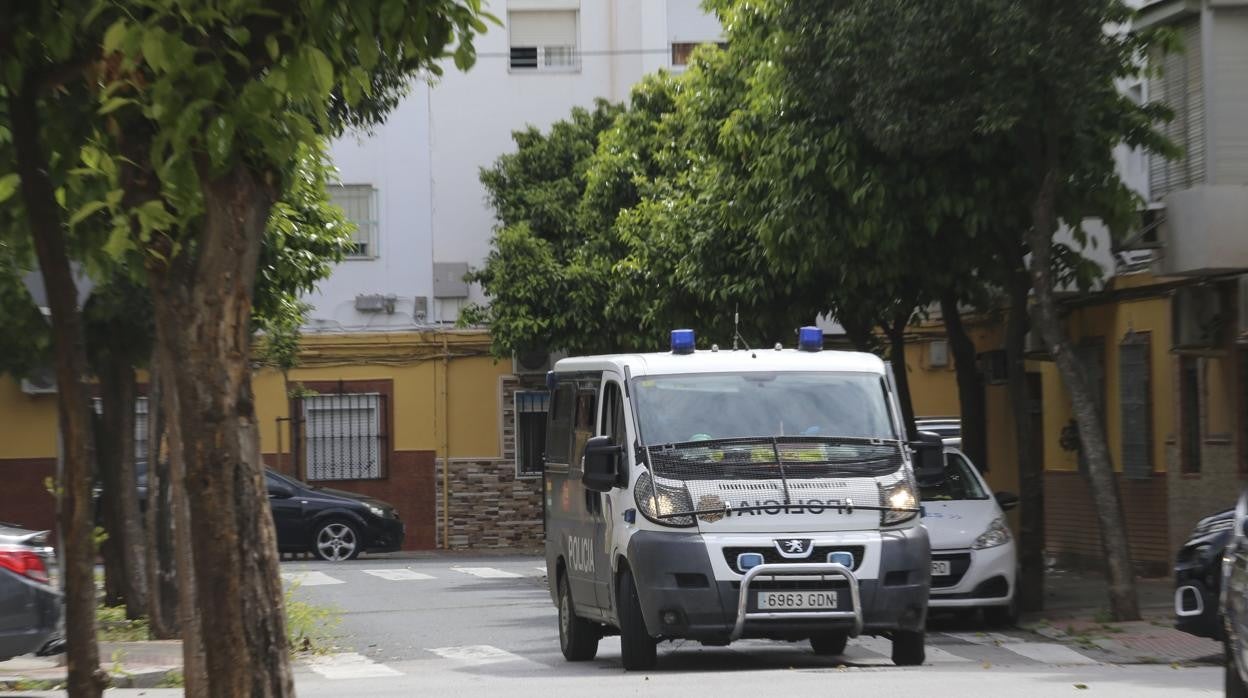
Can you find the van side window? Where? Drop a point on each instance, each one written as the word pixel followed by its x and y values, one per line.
pixel 613 414
pixel 559 431
pixel 583 426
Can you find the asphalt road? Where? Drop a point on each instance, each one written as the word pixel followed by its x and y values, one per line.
pixel 458 625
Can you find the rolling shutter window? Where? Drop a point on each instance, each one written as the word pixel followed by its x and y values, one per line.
pixel 1181 87
pixel 1136 404
pixel 545 37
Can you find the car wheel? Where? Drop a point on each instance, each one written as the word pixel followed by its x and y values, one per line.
pixel 578 638
pixel 829 644
pixel 637 648
pixel 1234 686
pixel 908 649
pixel 336 541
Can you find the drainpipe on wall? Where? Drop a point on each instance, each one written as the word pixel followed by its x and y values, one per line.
pixel 446 445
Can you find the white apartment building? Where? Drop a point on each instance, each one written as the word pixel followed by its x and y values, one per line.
pixel 412 185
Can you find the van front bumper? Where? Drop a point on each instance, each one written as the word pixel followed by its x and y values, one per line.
pixel 681 598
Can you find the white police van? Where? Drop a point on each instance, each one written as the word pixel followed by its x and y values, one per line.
pixel 719 495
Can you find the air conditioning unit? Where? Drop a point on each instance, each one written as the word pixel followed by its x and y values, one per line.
pixel 375 303
pixel 937 353
pixel 1198 317
pixel 41 381
pixel 533 363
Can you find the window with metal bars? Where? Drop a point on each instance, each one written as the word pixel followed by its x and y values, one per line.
pixel 532 408
pixel 140 424
pixel 1136 402
pixel 344 436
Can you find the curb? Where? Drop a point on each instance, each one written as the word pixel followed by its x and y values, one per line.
pixel 147 677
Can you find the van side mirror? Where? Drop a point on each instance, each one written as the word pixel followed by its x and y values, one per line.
pixel 602 463
pixel 929 459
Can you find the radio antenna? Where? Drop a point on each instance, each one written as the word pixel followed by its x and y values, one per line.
pixel 736 330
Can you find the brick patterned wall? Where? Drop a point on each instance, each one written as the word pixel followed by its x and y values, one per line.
pixel 1072 534
pixel 1195 496
pixel 24 500
pixel 490 507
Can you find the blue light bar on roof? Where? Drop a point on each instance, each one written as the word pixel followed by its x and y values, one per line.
pixel 810 339
pixel 682 341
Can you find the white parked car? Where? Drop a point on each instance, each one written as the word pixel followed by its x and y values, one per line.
pixel 974 562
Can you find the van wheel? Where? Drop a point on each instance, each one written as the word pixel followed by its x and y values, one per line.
pixel 578 638
pixel 637 648
pixel 908 648
pixel 829 644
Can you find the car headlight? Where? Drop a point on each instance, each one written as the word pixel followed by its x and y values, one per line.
pixel 899 501
pixel 377 511
pixel 658 501
pixel 996 534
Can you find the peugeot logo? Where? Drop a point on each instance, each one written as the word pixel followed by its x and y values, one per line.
pixel 794 547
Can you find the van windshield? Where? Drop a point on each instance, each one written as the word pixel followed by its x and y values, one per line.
pixel 714 406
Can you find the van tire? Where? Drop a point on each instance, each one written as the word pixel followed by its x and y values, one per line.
pixel 829 644
pixel 908 649
pixel 578 638
pixel 637 648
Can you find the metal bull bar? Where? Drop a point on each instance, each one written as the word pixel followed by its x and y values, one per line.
pixel 774 570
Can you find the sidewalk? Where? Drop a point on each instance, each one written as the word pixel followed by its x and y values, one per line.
pixel 150 664
pixel 1076 612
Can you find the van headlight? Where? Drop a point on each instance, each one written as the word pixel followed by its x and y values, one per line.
pixel 898 503
pixel 996 534
pixel 658 501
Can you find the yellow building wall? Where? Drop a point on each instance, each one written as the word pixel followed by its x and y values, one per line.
pixel 413 361
pixel 1110 323
pixel 414 364
pixel 27 422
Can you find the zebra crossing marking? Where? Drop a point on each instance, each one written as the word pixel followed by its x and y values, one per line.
pixel 350 665
pixel 881 646
pixel 310 578
pixel 398 575
pixel 476 654
pixel 1048 653
pixel 487 572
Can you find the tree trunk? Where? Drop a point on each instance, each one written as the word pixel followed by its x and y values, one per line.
pixel 1117 551
pixel 1030 469
pixel 183 597
pixel 971 398
pixel 118 392
pixel 85 678
pixel 203 312
pixel 896 331
pixel 162 606
pixel 109 509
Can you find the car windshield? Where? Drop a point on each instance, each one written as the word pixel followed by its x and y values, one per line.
pixel 284 479
pixel 712 406
pixel 960 483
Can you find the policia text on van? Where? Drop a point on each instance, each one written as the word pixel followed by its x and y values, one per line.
pixel 719 495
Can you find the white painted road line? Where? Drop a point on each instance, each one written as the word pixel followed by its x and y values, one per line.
pixel 350 665
pixel 398 575
pixel 986 639
pixel 1048 653
pixel 310 579
pixel 476 654
pixel 541 568
pixel 487 572
pixel 883 647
